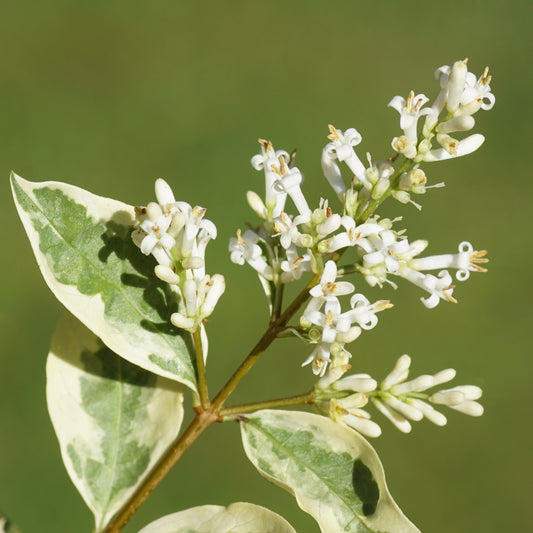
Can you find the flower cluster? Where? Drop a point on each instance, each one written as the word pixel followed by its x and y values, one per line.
pixel 285 246
pixel 462 94
pixel 396 398
pixel 177 235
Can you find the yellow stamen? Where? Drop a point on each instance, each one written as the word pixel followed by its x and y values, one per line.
pixel 267 145
pixel 409 101
pixel 283 165
pixel 485 77
pixel 334 134
pixel 380 305
pixel 449 297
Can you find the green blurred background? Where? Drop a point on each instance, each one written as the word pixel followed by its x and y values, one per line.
pixel 111 95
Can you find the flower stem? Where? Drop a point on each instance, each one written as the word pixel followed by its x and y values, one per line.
pixel 264 342
pixel 200 366
pixel 161 469
pixel 208 412
pixel 226 412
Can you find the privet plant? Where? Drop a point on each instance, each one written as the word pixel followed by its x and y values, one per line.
pixel 137 292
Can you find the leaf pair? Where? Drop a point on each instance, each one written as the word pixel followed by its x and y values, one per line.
pixel 114 385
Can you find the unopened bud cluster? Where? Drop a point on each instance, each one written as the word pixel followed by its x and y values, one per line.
pixel 399 400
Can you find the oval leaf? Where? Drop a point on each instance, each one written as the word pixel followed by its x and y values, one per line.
pixel 113 420
pixel 82 243
pixel 236 518
pixel 7 526
pixel 334 473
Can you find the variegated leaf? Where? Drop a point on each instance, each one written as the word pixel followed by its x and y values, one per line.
pixel 334 473
pixel 83 247
pixel 6 526
pixel 113 420
pixel 236 518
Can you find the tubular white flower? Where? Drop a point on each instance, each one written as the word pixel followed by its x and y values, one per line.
pixel 274 200
pixel 341 148
pixel 404 146
pixel 319 358
pixel 354 235
pixel 477 93
pixel 331 223
pixel 439 287
pixel 332 173
pixel 294 266
pixel 410 111
pixel 383 246
pixel 244 248
pixel 152 236
pixel 194 223
pixel 466 261
pixel 332 321
pixel 328 289
pixel 289 181
pixel 364 313
pixel 287 229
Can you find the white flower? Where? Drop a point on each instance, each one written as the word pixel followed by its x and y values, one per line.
pixel 328 288
pixel 410 111
pixel 294 266
pixel 288 232
pixel 274 200
pixel 382 251
pixel 194 223
pixel 244 248
pixel 476 93
pixel 354 235
pixel 341 148
pixel 439 287
pixel 332 321
pixel 466 261
pixel 364 313
pixel 289 181
pixel 324 220
pixel 155 227
pixel 320 357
